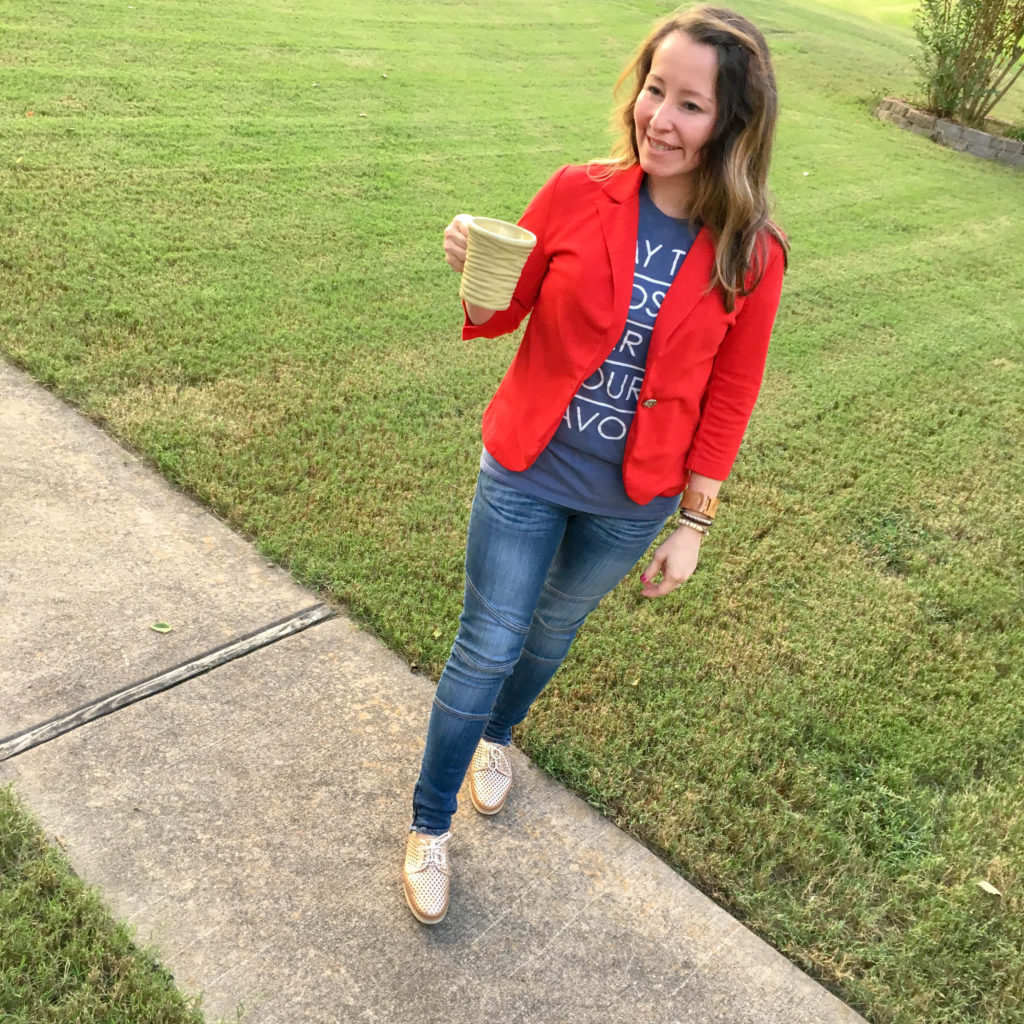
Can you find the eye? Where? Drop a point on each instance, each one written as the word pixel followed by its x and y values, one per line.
pixel 692 107
pixel 653 90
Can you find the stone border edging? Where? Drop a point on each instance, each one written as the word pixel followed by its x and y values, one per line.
pixel 954 136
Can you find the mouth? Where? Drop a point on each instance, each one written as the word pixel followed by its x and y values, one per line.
pixel 661 147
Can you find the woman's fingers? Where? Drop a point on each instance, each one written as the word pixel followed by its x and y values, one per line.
pixel 455 241
pixel 658 567
pixel 665 586
pixel 653 568
pixel 674 561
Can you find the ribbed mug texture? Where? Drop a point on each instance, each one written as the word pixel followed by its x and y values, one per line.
pixel 496 253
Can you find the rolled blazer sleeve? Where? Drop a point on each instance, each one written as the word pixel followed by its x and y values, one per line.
pixel 736 376
pixel 534 219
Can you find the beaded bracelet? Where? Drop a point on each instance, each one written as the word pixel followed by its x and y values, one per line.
pixel 702 530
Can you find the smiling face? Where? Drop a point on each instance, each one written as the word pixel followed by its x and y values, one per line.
pixel 674 117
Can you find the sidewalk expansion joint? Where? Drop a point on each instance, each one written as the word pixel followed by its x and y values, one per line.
pixel 49 730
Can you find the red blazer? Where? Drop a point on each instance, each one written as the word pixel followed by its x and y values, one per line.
pixel 704 365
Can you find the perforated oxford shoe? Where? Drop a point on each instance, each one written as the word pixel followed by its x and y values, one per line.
pixel 426 876
pixel 490 777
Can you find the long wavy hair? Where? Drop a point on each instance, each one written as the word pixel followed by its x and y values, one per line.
pixel 730 196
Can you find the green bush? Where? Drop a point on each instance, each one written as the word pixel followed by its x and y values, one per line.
pixel 971 54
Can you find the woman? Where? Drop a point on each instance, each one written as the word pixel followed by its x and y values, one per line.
pixel 652 292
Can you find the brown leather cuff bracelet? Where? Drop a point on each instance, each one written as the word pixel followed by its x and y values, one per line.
pixel 695 501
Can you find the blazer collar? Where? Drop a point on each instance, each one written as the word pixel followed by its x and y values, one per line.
pixel 625 184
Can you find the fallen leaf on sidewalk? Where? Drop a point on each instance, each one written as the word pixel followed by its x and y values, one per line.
pixel 162 627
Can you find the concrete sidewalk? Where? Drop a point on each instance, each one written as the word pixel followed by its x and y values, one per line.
pixel 250 821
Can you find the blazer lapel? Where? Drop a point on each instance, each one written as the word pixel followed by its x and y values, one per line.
pixel 689 285
pixel 619 210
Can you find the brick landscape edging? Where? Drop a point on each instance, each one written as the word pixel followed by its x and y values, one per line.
pixel 955 136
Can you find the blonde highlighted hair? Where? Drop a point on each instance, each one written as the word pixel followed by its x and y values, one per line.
pixel 730 197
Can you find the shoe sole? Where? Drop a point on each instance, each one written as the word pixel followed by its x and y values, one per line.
pixel 422 920
pixel 482 809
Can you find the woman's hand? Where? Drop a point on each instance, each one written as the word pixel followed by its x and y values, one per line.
pixel 675 560
pixel 455 236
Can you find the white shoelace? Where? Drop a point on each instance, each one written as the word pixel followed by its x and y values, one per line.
pixel 436 853
pixel 497 760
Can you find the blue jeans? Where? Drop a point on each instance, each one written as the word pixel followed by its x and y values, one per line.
pixel 534 571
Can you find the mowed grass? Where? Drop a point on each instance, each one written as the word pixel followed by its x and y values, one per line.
pixel 211 251
pixel 62 959
pixel 899 19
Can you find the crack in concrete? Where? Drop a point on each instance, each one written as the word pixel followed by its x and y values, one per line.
pixel 44 732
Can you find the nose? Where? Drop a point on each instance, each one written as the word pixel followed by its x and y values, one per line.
pixel 661 117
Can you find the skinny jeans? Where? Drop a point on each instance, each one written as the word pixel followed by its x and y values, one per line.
pixel 534 571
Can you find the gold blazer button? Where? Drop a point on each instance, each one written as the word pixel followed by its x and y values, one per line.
pixel 650 403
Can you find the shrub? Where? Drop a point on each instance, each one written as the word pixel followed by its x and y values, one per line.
pixel 971 54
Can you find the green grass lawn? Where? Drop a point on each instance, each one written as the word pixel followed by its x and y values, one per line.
pixel 899 19
pixel 896 14
pixel 62 959
pixel 222 241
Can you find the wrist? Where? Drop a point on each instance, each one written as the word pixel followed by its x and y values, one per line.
pixel 477 314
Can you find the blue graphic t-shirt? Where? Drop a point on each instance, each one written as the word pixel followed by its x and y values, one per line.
pixel 582 465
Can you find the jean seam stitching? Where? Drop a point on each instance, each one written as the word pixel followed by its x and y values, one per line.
pixel 561 629
pixel 576 597
pixel 540 657
pixel 495 614
pixel 491 670
pixel 461 714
